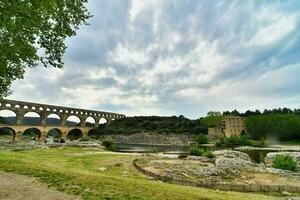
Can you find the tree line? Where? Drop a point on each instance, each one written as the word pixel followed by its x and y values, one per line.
pixel 153 124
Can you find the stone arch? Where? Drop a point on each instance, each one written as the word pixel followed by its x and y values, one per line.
pixel 53 119
pixel 7 134
pixel 55 134
pixel 8 116
pixel 32 118
pixel 103 120
pixel 73 120
pixel 75 134
pixel 90 121
pixel 8 105
pixel 31 134
pixel 93 133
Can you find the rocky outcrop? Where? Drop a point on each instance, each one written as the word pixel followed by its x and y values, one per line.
pixel 232 154
pixel 232 162
pixel 270 157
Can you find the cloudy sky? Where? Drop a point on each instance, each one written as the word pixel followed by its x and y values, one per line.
pixel 172 57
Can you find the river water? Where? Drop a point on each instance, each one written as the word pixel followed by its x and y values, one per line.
pixel 256 154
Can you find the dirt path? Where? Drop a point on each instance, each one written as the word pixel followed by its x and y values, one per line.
pixel 18 187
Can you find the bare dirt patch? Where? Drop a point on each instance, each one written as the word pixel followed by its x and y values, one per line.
pixel 18 187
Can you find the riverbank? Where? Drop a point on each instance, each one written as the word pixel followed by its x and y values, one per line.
pixel 151 138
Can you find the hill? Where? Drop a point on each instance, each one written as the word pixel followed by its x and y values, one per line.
pixel 153 124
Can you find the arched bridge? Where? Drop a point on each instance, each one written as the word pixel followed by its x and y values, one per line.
pixel 20 108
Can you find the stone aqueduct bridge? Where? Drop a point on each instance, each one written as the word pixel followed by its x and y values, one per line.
pixel 20 108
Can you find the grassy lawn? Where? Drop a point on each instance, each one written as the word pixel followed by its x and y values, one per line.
pixel 78 171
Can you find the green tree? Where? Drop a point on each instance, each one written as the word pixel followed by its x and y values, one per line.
pixel 32 32
pixel 109 144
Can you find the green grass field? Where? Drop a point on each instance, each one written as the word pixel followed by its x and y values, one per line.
pixel 76 171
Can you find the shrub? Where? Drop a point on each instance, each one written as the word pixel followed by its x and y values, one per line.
pixel 154 150
pixel 202 139
pixel 109 144
pixel 261 143
pixel 285 162
pixel 209 154
pixel 233 141
pixel 196 151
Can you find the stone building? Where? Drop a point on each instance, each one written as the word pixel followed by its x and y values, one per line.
pixel 215 133
pixel 233 125
pixel 230 125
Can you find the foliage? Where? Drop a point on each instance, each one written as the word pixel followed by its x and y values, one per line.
pixel 3 120
pixel 278 126
pixel 33 32
pixel 202 139
pixel 258 143
pixel 209 154
pixel 285 162
pixel 152 124
pixel 233 141
pixel 109 144
pixel 197 151
pixel 211 121
pixel 281 111
pixel 154 149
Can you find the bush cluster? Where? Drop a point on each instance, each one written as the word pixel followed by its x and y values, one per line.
pixel 233 141
pixel 285 162
pixel 202 139
pixel 109 144
pixel 196 151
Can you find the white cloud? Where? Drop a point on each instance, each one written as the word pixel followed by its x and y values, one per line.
pixel 272 25
pixel 176 57
pixel 129 57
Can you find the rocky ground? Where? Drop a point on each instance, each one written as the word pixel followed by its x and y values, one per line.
pixel 18 187
pixel 22 146
pixel 228 167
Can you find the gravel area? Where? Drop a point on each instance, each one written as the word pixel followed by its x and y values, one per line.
pixel 18 187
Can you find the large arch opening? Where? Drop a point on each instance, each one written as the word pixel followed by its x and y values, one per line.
pixel 103 121
pixel 32 118
pixel 7 134
pixel 90 122
pixel 93 133
pixel 73 121
pixel 31 134
pixel 54 135
pixel 53 120
pixel 8 117
pixel 75 134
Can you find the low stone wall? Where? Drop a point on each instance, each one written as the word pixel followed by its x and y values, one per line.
pixel 218 186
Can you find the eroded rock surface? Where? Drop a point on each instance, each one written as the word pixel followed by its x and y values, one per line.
pixel 232 154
